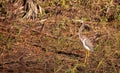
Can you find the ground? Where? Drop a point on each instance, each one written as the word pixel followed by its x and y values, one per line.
pixel 53 46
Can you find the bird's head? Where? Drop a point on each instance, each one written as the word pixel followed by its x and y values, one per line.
pixel 84 26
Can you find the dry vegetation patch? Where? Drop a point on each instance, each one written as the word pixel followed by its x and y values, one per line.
pixel 47 41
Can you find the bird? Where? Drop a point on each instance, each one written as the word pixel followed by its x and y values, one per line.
pixel 85 41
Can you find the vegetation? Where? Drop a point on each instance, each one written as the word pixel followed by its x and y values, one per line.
pixel 42 36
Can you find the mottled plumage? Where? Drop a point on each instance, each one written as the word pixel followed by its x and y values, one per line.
pixel 86 42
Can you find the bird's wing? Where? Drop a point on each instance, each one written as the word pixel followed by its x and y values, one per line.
pixel 89 44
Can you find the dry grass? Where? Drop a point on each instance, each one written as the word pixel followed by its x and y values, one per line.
pixel 50 44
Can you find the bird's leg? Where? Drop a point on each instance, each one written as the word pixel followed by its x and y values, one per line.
pixel 87 56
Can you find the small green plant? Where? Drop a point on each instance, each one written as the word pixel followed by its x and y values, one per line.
pixel 9 42
pixel 73 70
pixel 99 64
pixel 113 65
pixel 57 71
pixel 1 36
pixel 18 28
pixel 63 3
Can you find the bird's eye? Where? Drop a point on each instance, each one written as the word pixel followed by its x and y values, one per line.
pixel 87 28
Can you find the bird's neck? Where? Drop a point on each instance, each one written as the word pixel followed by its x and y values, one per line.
pixel 81 36
pixel 80 32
